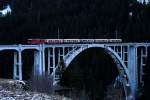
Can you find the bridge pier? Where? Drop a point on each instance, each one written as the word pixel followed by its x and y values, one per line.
pixel 17 68
pixel 39 65
pixel 43 57
pixel 51 62
pixel 133 70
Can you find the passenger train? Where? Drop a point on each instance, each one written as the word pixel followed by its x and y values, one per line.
pixel 71 41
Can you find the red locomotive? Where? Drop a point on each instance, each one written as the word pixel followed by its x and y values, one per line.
pixel 69 41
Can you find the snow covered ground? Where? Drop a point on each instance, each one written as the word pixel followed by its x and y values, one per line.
pixel 14 90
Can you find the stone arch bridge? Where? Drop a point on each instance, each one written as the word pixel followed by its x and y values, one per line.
pixel 130 59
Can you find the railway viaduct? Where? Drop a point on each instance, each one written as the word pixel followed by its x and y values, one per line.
pixel 130 59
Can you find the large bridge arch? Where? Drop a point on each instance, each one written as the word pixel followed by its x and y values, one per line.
pixel 70 57
pixel 122 69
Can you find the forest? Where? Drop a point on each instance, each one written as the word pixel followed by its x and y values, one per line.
pixel 128 20
pixel 125 19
